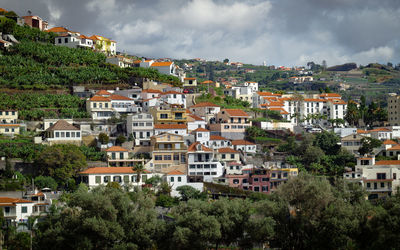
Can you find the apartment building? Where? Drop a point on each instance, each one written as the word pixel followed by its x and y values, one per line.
pixel 141 127
pixel 230 123
pixel 9 122
pixel 393 109
pixel 169 114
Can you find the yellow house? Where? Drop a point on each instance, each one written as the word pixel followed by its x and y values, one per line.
pixel 169 153
pixel 9 122
pixel 175 114
pixel 119 157
pixel 100 107
pixel 105 45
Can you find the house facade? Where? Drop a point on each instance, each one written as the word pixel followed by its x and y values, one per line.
pixel 63 132
pixel 141 127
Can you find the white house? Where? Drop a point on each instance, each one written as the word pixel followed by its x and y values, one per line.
pixel 206 110
pixel 125 176
pixel 174 97
pixel 252 85
pixel 201 162
pixel 244 146
pixel 194 122
pixel 177 179
pixel 202 135
pixel 167 68
pixel 63 132
pixel 217 142
pixel 16 210
pixel 72 40
pixel 178 129
pixel 123 104
pixel 141 127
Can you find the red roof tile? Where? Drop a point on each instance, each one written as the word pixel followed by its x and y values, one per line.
pixel 242 142
pixel 116 149
pixel 161 64
pixel 62 125
pixel 103 92
pixel 109 170
pixel 99 98
pixel 175 172
pixel 193 147
pixel 389 142
pixel 236 112
pixel 13 200
pixel 227 150
pixel 120 97
pixel 170 126
pixel 388 162
pixel 217 138
pixel 201 130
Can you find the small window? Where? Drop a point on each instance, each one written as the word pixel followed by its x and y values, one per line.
pixel 98 179
pixel 179 179
pixel 126 178
pixel 172 179
pixel 57 134
pixel 24 210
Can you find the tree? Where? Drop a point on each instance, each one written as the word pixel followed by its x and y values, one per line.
pixel 139 169
pixel 328 142
pixel 188 192
pixel 61 162
pixel 45 182
pixel 352 114
pixel 103 138
pixel 368 144
pixel 7 25
pixel 120 139
pixel 226 60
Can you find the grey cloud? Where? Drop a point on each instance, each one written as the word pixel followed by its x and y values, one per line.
pixel 283 32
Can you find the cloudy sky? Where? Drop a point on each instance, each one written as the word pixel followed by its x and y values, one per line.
pixel 280 32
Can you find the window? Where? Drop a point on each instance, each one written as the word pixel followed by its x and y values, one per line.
pixel 264 188
pixel 265 179
pixel 106 105
pixel 24 210
pixel 106 179
pixel 179 179
pixel 94 105
pixel 273 174
pixel 133 179
pixel 144 178
pixel 213 173
pixel 126 178
pixel 121 155
pixel 394 176
pixel 171 179
pixel 68 134
pixel 113 156
pixel 255 179
pixel 381 176
pixel 66 40
pixel 62 134
pixel 382 184
pixel 158 157
pixel 7 210
pixel 78 134
pixel 164 116
pixel 167 157
pixel 59 40
pixel 235 181
pixel 176 157
pixel 72 134
pixel 223 156
pixel 199 135
pixel 256 189
pixel 57 134
pixel 232 156
pixel 98 179
pixel 368 185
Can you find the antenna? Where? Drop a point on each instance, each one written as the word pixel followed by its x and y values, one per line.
pixel 29 13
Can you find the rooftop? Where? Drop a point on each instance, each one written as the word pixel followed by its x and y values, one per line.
pixel 116 149
pixel 62 125
pixel 109 170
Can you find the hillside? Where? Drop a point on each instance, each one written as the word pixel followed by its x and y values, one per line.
pixel 35 63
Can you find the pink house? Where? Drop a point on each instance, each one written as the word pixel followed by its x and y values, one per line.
pixel 257 181
pixel 35 22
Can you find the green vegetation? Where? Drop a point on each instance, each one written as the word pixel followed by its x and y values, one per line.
pixel 225 102
pixel 35 106
pixel 23 149
pixel 34 65
pixel 317 215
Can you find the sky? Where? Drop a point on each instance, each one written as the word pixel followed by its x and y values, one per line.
pixel 280 32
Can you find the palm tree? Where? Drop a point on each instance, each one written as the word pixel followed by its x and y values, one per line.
pixel 139 169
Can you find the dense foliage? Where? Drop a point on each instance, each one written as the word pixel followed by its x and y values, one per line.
pixel 24 149
pixel 35 106
pixel 305 213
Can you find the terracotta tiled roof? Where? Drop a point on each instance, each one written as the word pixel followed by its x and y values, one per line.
pixel 201 130
pixel 227 150
pixel 189 78
pixel 207 81
pixel 360 131
pixel 389 142
pixel 337 101
pixel 109 170
pixel 8 200
pixel 116 149
pixel 155 91
pixel 170 126
pixel 242 142
pixel 120 97
pixel 196 118
pixel 267 94
pixel 380 130
pixel 193 147
pixel 394 148
pixel 175 172
pixel 388 162
pixel 99 98
pixel 9 125
pixel 57 30
pixel 217 138
pixel 281 110
pixel 275 104
pixel 161 64
pixel 62 125
pixel 236 112
pixel 103 92
pixel 204 104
